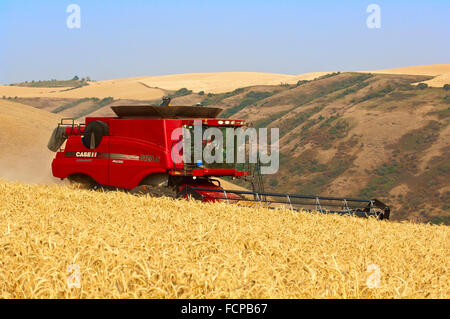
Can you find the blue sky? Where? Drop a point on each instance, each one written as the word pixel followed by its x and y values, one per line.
pixel 135 38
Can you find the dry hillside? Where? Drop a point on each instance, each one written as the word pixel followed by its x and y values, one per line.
pixel 440 73
pixel 140 247
pixel 432 69
pixel 119 89
pixel 223 82
pixel 24 133
pixel 154 87
pixel 360 135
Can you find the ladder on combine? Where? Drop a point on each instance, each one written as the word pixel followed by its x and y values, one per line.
pixel 257 182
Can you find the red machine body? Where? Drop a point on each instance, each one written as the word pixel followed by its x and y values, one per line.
pixel 135 149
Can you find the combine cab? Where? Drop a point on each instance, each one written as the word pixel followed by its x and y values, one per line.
pixel 133 151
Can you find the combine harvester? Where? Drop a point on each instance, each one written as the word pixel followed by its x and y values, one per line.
pixel 132 152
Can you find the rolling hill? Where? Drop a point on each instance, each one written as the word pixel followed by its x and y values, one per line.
pixel 223 82
pixel 440 73
pixel 432 69
pixel 24 133
pixel 119 89
pixel 154 87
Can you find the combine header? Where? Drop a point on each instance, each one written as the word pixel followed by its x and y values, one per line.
pixel 133 152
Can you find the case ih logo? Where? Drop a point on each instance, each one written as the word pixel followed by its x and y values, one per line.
pixel 86 154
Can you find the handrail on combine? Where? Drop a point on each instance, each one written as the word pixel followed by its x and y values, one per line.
pixel 349 206
pixel 75 129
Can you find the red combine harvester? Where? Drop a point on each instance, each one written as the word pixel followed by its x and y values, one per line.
pixel 133 152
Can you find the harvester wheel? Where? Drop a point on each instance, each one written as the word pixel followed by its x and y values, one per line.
pixel 153 191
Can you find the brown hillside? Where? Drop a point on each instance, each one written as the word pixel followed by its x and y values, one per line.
pixel 223 81
pixel 153 87
pixel 360 135
pixel 432 69
pixel 119 89
pixel 440 73
pixel 24 133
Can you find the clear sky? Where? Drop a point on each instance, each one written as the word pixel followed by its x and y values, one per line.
pixel 134 38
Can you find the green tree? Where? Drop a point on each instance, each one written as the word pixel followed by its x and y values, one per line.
pixel 422 86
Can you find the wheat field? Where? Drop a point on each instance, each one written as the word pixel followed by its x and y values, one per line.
pixel 140 247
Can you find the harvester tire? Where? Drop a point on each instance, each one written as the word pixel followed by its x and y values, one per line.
pixel 153 191
pixel 93 134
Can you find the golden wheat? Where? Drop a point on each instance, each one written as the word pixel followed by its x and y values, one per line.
pixel 141 247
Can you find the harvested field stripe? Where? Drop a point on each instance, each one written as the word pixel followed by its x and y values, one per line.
pixel 70 105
